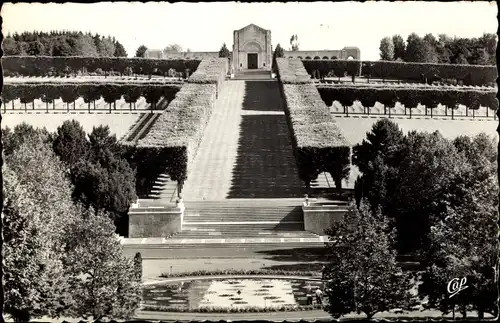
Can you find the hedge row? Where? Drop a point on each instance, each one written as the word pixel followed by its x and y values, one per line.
pixel 469 74
pixel 211 71
pixel 68 92
pixel 84 79
pixel 409 97
pixel 291 71
pixel 319 145
pixel 43 65
pixel 173 140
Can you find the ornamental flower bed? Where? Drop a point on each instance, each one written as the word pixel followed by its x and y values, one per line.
pixel 229 295
pixel 318 143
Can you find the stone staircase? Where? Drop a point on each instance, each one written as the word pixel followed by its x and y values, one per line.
pixel 164 189
pixel 253 75
pixel 240 218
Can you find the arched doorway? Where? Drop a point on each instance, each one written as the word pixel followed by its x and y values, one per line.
pixel 299 57
pixel 308 57
pixel 335 57
pixel 325 57
pixel 317 57
pixel 350 58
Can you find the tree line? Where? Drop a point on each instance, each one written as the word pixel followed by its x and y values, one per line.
pixel 62 43
pixel 424 195
pixel 444 49
pixel 63 194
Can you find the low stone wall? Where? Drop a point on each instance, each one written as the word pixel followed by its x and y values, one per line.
pixel 319 218
pixel 154 225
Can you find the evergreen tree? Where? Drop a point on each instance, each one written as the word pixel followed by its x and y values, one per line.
pixel 224 52
pixel 141 51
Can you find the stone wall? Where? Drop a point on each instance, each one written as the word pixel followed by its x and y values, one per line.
pixel 344 53
pixel 319 218
pixel 154 225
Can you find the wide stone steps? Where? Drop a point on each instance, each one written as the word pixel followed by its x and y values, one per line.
pixel 254 244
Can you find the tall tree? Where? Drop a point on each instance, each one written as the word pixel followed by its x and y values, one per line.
pixel 386 49
pixel 173 48
pixel 36 216
pixel 418 50
pixel 224 52
pixel 106 47
pixel 70 143
pixel 104 181
pixel 141 51
pixel 120 50
pixel 104 280
pixel 36 48
pixel 399 47
pixel 363 275
pixel 294 43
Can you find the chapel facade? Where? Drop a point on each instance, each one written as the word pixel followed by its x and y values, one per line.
pixel 252 48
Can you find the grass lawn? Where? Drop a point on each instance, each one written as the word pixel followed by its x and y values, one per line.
pixel 118 124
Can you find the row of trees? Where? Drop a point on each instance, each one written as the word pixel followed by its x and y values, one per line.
pixel 69 93
pixel 422 194
pixel 409 97
pixel 61 255
pixel 62 43
pixel 444 49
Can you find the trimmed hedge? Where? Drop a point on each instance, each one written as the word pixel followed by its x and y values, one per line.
pixel 291 71
pixel 83 79
pixel 43 65
pixel 211 71
pixel 410 97
pixel 69 92
pixel 177 133
pixel 319 145
pixel 469 74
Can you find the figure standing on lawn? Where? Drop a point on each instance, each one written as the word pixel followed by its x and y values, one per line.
pixel 319 296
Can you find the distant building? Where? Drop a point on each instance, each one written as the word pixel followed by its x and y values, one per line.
pixel 253 50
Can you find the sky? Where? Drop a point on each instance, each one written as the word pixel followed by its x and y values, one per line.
pixel 205 26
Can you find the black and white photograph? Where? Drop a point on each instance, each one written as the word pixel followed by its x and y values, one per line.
pixel 245 161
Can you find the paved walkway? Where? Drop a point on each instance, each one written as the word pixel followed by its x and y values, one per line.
pixel 209 176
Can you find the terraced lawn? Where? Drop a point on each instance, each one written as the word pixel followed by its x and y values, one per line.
pixel 118 124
